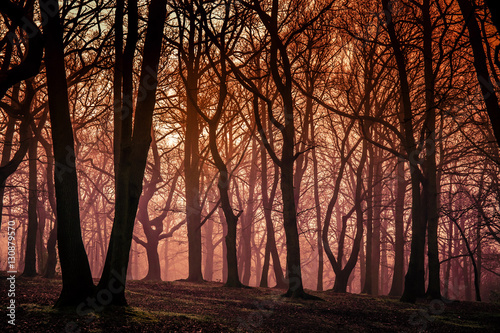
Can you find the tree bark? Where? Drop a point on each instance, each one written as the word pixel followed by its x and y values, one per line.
pixel 247 221
pixel 367 288
pixel 133 157
pixel 267 203
pixel 480 64
pixel 30 256
pixel 319 244
pixel 76 274
pixel 399 246
pixel 415 277
pixel 430 170
pixel 192 162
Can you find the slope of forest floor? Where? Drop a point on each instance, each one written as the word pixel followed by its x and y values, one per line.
pixel 210 307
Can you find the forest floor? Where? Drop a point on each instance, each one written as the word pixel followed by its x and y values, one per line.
pixel 210 307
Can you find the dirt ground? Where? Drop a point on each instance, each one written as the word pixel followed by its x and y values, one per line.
pixel 210 307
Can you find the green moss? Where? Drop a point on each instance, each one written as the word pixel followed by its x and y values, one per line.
pixel 37 308
pixel 140 316
pixel 195 317
pixel 459 323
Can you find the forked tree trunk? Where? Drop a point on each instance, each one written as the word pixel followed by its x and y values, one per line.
pixel 267 203
pixel 415 277
pixel 342 273
pixel 134 149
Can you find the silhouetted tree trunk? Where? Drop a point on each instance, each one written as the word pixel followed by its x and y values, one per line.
pixel 191 152
pixel 473 261
pixel 415 277
pixel 30 256
pixel 384 271
pixel 342 273
pixel 153 227
pixel 6 150
pixel 50 268
pixel 154 272
pixel 76 275
pixel 224 247
pixel 430 172
pixel 447 272
pixel 247 220
pixel 377 203
pixel 399 246
pixel 267 203
pixel 209 248
pixel 233 279
pixel 319 244
pixel 278 50
pixel 134 147
pixel 367 288
pixel 480 63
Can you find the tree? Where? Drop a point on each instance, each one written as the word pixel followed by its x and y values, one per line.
pixel 153 227
pixel 77 278
pixel 282 79
pixel 21 28
pixel 480 63
pixel 20 17
pixel 134 142
pixel 190 57
pixel 414 280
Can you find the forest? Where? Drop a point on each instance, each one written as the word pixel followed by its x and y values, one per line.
pixel 305 152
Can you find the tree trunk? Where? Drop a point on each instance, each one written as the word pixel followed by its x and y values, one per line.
pixel 233 279
pixel 368 287
pixel 154 271
pixel 247 221
pixel 224 247
pixel 50 269
pixel 30 256
pixel 295 288
pixel 265 266
pixel 267 202
pixel 319 244
pixel 76 274
pixel 480 64
pixel 133 157
pixel 430 183
pixel 377 203
pixel 209 248
pixel 384 272
pixel 6 150
pixel 192 178
pixel 41 251
pixel 415 277
pixel 399 247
